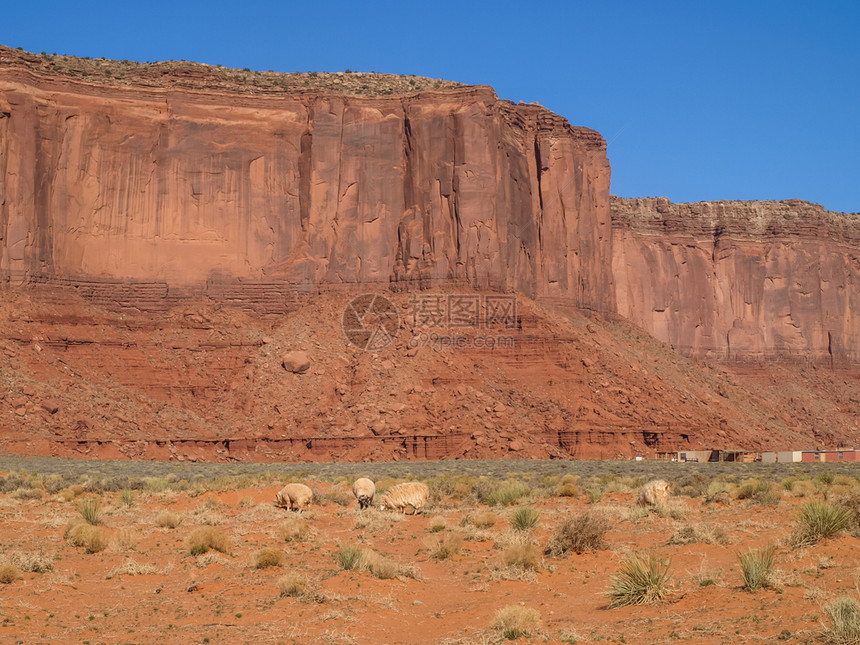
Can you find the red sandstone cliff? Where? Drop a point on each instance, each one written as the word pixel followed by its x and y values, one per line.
pixel 188 182
pixel 740 280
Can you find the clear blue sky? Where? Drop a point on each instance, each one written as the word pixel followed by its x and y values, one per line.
pixel 699 101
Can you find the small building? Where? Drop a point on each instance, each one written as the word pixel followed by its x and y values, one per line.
pixel 789 456
pixel 835 455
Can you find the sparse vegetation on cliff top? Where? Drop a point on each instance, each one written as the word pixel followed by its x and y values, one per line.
pixel 215 77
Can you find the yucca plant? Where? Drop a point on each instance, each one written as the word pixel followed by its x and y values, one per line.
pixel 90 510
pixel 757 567
pixel 525 518
pixel 818 520
pixel 641 581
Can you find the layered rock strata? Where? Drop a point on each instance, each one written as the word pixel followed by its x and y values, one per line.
pixel 183 185
pixel 740 280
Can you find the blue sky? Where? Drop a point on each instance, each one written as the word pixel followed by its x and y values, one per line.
pixel 699 101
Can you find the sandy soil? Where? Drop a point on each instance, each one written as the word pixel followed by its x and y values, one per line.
pixel 223 598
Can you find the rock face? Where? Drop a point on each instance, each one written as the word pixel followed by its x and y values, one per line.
pixel 189 187
pixel 740 280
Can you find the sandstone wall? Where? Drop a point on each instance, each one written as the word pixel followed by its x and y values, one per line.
pixel 740 280
pixel 190 187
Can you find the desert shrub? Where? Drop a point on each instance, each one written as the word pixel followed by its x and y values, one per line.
pixel 31 562
pixel 844 615
pixel 567 490
pixel 525 518
pixel 717 491
pixel 672 509
pixel 694 484
pixel 699 534
pixel 585 532
pixel 594 495
pixel 482 520
pixel 757 567
pixel 641 581
pixel 71 492
pixel 294 529
pixel 168 520
pixel 380 566
pixel 515 621
pixel 348 557
pixel 123 540
pixel 9 574
pixel 292 585
pixel 825 479
pixel 338 497
pixel 818 520
pixel 268 557
pixel 132 568
pixel 92 538
pixel 90 510
pixel 205 538
pixel 803 488
pixel 27 493
pixel 447 546
pixel 522 556
pixel 571 479
pixel 506 494
pixel 850 501
pixel 760 492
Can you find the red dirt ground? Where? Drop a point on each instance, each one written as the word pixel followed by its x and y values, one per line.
pixel 223 599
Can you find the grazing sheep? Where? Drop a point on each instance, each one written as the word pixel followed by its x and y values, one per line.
pixel 364 491
pixel 295 497
pixel 402 496
pixel 654 493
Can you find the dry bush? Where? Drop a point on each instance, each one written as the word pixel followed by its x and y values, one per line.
pixel 671 510
pixel 699 534
pixel 349 557
pixel 379 565
pixel 71 492
pixel 522 556
pixel 27 493
pixel 31 562
pixel 132 568
pixel 803 488
pixel 447 546
pixel 481 520
pixel 123 540
pixel 9 574
pixel 292 585
pixel 90 510
pixel 90 537
pixel 585 532
pixel 718 491
pixel 168 520
pixel 268 557
pixel 204 538
pixel 567 490
pixel 338 497
pixel 844 614
pixel 294 529
pixel 760 491
pixel 515 621
pixel 437 524
pixel 372 519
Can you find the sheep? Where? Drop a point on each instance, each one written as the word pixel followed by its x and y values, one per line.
pixel 364 491
pixel 654 493
pixel 402 496
pixel 295 497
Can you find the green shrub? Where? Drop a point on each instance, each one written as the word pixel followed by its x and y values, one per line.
pixel 90 510
pixel 506 494
pixel 818 520
pixel 844 614
pixel 349 558
pixel 585 532
pixel 757 567
pixel 641 581
pixel 525 518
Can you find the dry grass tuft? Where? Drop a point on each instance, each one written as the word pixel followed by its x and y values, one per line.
pixel 386 568
pixel 515 621
pixel 567 490
pixel 522 556
pixel 9 574
pixel 92 538
pixel 294 529
pixel 699 534
pixel 844 614
pixel 481 520
pixel 90 510
pixel 123 540
pixel 31 562
pixel 168 520
pixel 269 557
pixel 447 546
pixel 295 585
pixel 132 568
pixel 757 567
pixel 204 538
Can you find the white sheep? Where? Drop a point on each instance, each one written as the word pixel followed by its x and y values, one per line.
pixel 654 493
pixel 295 497
pixel 403 496
pixel 364 491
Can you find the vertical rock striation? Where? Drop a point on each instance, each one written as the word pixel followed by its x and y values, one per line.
pixel 188 185
pixel 740 280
